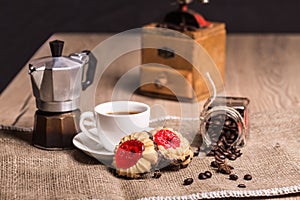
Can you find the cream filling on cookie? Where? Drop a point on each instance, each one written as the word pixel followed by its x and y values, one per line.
pixel 145 163
pixel 178 154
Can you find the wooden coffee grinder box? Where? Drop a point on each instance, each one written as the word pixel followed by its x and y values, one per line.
pixel 166 74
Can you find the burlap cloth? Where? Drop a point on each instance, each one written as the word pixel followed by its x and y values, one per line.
pixel 271 156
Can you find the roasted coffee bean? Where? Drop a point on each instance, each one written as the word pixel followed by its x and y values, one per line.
pixel 233 125
pixel 157 174
pixel 226 153
pixel 239 154
pixel 214 145
pixel 241 185
pixel 220 143
pixel 210 153
pixel 202 176
pixel 231 157
pixel 188 181
pixel 248 177
pixel 196 153
pixel 208 174
pixel 230 167
pixel 219 160
pixel 227 122
pixel 230 142
pixel 214 148
pixel 218 152
pixel 233 177
pixel 224 169
pixel 222 138
pixel 226 143
pixel 226 129
pixel 223 148
pixel 233 136
pixel 227 134
pixel 214 164
pixel 229 151
pixel 222 157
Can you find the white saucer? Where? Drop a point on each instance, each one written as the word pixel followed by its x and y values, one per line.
pixel 93 148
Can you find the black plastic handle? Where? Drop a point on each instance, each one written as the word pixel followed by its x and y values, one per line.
pixel 56 47
pixel 91 68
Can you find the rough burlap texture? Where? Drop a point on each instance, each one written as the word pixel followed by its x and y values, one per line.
pixel 271 156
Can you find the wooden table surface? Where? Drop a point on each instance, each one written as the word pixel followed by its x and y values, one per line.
pixel 264 68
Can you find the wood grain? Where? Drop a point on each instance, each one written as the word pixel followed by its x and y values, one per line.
pixel 264 68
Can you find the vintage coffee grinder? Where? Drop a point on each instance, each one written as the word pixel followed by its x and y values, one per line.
pixel 57 85
pixel 162 82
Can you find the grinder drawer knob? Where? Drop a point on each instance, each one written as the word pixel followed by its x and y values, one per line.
pixel 161 80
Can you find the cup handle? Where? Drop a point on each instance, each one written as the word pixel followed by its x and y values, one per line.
pixel 83 123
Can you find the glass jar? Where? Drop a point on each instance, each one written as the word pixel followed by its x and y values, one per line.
pixel 225 119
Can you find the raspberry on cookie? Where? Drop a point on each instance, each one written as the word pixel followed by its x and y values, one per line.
pixel 174 148
pixel 135 155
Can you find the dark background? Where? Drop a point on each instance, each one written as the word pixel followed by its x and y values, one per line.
pixel 26 24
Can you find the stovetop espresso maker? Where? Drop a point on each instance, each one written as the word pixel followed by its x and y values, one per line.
pixel 57 83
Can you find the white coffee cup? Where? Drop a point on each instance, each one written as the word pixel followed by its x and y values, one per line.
pixel 114 120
